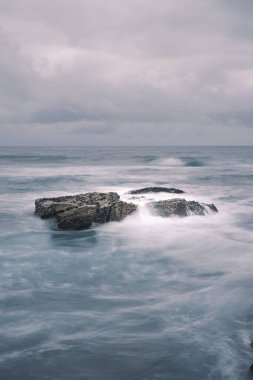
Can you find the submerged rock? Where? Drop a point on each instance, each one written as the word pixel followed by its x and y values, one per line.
pixel 156 189
pixel 80 211
pixel 180 207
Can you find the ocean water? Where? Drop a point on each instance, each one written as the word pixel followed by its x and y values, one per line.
pixel 147 298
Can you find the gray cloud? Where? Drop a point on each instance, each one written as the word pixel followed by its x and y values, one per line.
pixel 132 72
pixel 243 117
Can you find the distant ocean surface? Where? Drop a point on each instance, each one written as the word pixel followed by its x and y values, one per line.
pixel 148 298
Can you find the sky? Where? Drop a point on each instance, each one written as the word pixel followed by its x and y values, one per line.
pixel 126 72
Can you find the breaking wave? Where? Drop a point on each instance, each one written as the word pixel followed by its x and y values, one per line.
pixel 183 161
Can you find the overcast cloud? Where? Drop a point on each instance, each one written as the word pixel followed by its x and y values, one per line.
pixel 130 72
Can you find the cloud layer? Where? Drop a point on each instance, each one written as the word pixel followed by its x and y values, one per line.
pixel 87 72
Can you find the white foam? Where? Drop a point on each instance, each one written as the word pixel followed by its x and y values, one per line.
pixel 170 161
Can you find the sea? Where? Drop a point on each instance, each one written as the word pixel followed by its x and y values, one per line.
pixel 148 298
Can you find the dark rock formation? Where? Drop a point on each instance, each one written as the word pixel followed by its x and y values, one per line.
pixel 122 209
pixel 80 211
pixel 76 218
pixel 180 207
pixel 156 189
pixel 48 207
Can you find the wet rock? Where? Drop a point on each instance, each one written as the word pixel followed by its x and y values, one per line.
pixel 103 212
pixel 80 211
pixel 77 218
pixel 98 198
pixel 180 207
pixel 212 207
pixel 156 189
pixel 48 207
pixel 122 209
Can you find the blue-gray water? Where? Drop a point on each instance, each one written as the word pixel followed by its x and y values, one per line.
pixel 148 298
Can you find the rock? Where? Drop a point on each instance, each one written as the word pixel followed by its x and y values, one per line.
pixel 98 198
pixel 180 207
pixel 212 207
pixel 122 209
pixel 251 367
pixel 77 218
pixel 103 213
pixel 48 207
pixel 156 189
pixel 80 211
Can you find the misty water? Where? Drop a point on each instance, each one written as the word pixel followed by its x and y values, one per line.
pixel 147 298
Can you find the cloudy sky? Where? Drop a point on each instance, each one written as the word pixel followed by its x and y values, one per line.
pixel 127 72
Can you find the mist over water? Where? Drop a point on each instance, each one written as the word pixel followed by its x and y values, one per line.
pixel 147 298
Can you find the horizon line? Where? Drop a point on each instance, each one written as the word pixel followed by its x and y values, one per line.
pixel 123 146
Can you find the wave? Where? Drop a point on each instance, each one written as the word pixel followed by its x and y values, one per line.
pixel 170 161
pixel 183 161
pixel 194 161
